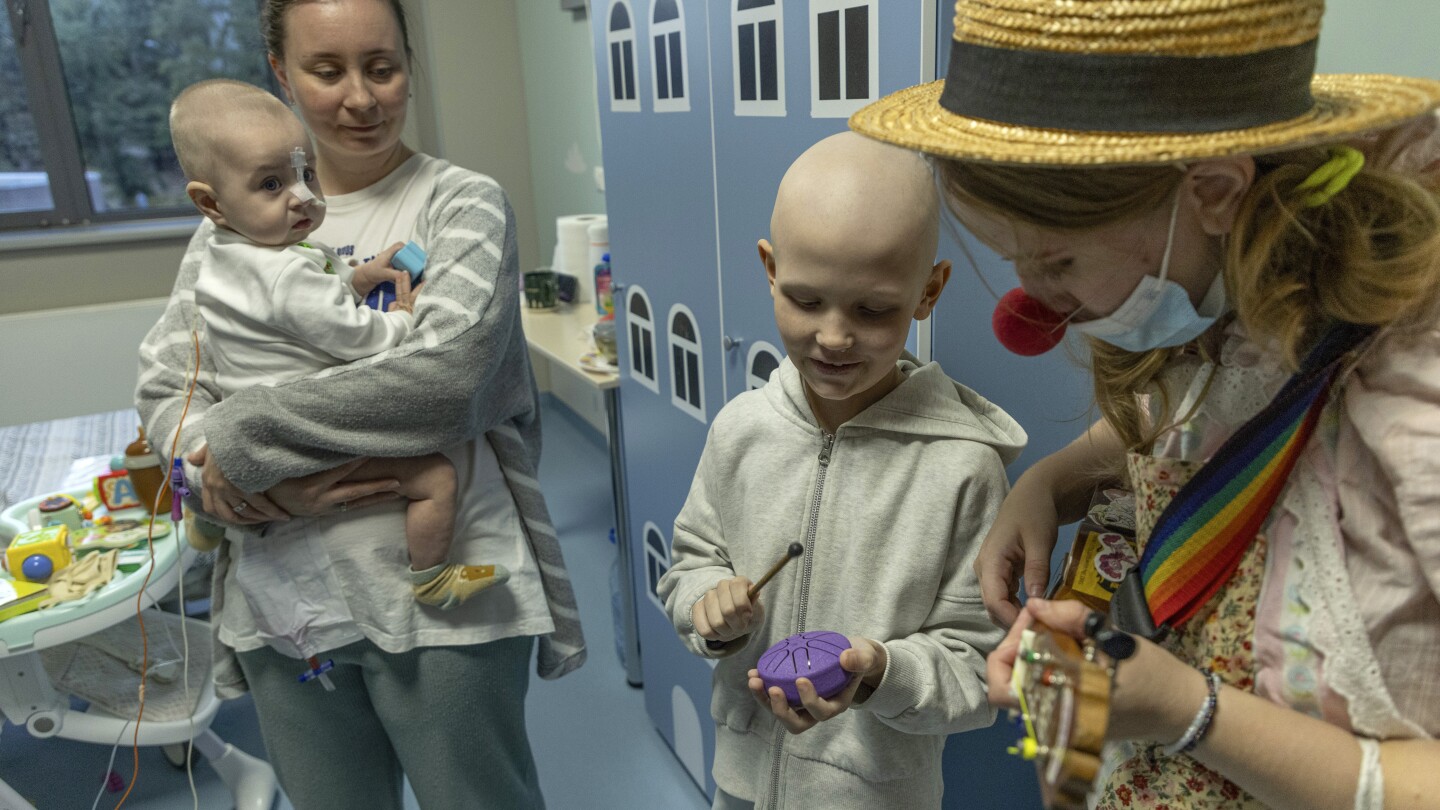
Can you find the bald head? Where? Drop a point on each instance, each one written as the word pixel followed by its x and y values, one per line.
pixel 208 118
pixel 879 200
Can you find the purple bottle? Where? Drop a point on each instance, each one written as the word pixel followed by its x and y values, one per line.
pixel 814 655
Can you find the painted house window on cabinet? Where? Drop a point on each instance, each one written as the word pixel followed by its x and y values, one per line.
pixel 642 338
pixel 620 38
pixel 757 35
pixel 687 367
pixel 761 362
pixel 672 71
pixel 844 56
pixel 657 562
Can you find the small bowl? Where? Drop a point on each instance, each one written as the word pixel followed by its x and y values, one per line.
pixel 814 655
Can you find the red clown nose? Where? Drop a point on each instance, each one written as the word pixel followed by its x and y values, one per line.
pixel 1026 326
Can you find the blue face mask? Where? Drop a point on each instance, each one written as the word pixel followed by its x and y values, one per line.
pixel 1158 313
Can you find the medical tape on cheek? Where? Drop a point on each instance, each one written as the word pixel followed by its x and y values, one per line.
pixel 301 189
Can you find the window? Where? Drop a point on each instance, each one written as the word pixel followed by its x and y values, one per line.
pixel 84 134
pixel 757 34
pixel 657 562
pixel 760 364
pixel 642 339
pixel 620 37
pixel 844 58
pixel 672 71
pixel 686 369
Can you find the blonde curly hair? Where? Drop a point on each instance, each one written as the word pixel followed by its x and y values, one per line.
pixel 1370 255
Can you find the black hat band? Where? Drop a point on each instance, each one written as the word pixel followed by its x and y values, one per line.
pixel 1129 93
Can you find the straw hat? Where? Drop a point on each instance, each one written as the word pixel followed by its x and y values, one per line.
pixel 1133 82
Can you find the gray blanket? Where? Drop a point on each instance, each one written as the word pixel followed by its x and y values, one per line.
pixel 464 373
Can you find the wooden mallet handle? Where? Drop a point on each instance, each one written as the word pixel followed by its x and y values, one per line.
pixel 795 550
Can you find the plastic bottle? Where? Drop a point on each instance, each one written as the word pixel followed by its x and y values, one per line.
pixel 146 472
pixel 604 297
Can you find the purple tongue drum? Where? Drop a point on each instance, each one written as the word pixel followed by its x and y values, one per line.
pixel 814 655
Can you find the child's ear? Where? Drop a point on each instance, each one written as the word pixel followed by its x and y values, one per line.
pixel 204 198
pixel 1215 188
pixel 934 285
pixel 767 258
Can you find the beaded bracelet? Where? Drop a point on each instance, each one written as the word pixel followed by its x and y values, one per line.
pixel 1201 723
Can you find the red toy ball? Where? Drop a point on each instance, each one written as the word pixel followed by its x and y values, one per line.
pixel 1026 326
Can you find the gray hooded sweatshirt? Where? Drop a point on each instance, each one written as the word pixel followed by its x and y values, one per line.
pixel 891 510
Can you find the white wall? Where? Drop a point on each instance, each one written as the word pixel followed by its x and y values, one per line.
pixel 72 361
pixel 470 58
pixel 1380 36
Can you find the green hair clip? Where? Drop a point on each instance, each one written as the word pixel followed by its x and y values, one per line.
pixel 1332 176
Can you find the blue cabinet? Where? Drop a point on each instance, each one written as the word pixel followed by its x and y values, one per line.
pixel 703 105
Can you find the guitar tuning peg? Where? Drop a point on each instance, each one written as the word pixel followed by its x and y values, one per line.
pixel 1027 749
pixel 1114 643
pixel 1094 623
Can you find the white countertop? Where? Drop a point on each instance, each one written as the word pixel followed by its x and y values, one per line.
pixel 562 335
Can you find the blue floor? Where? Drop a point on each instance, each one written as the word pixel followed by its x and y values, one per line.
pixel 593 741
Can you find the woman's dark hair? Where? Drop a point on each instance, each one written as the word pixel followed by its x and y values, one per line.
pixel 272 24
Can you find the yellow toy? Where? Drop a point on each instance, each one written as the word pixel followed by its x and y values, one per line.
pixel 18 597
pixel 35 555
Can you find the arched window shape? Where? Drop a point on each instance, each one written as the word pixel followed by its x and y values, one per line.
pixel 844 56
pixel 657 562
pixel 686 366
pixel 672 70
pixel 620 37
pixel 761 362
pixel 641 326
pixel 757 36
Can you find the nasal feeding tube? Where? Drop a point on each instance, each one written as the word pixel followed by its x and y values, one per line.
pixel 301 189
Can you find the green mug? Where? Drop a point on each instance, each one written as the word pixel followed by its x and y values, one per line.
pixel 540 289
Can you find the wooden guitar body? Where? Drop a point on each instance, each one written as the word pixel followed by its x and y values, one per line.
pixel 1064 697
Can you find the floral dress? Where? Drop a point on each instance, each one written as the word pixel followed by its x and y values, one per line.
pixel 1217 639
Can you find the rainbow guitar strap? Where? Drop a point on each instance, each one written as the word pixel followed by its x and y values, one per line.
pixel 1199 538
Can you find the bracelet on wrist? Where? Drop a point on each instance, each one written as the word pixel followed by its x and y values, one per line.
pixel 1201 724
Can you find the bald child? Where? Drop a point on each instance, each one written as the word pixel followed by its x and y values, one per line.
pixel 276 307
pixel 888 472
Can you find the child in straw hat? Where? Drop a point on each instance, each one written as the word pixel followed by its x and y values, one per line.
pixel 1253 253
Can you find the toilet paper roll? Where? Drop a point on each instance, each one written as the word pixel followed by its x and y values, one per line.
pixel 572 239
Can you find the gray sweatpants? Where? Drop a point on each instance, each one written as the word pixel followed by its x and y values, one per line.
pixel 452 719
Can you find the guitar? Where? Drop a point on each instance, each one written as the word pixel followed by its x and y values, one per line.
pixel 1063 687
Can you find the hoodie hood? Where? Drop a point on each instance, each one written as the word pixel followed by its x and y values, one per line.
pixel 926 403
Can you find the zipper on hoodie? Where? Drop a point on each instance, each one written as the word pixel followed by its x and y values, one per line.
pixel 826 446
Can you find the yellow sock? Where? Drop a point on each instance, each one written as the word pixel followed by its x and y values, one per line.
pixel 446 586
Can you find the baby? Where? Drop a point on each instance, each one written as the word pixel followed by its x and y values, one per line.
pixel 276 307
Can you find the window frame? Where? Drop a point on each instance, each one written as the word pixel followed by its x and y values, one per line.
pixel 612 38
pixel 753 382
pixel 73 219
pixel 647 326
pixel 678 375
pixel 38 53
pixel 653 559
pixel 674 103
pixel 843 107
pixel 755 16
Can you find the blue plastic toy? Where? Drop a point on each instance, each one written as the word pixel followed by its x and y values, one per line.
pixel 411 259
pixel 37 568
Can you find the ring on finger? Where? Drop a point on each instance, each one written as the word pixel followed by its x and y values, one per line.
pixel 241 507
pixel 344 505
